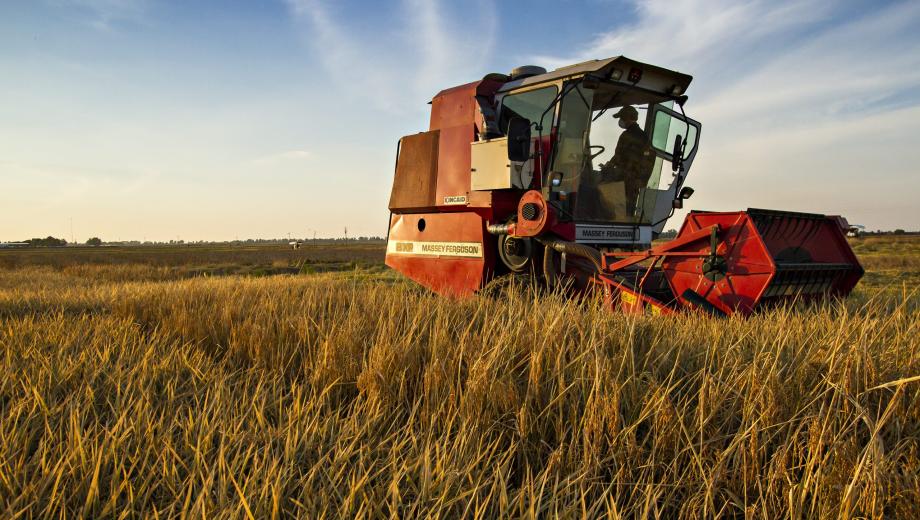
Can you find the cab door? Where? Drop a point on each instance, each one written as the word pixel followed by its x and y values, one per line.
pixel 666 125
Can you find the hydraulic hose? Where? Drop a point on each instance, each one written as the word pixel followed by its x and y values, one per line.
pixel 548 272
pixel 569 248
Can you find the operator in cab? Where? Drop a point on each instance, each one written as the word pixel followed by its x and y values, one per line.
pixel 633 161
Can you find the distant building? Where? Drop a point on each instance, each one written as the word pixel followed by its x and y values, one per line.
pixel 8 245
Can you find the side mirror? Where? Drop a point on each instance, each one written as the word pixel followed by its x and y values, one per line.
pixel 677 153
pixel 518 139
pixel 684 194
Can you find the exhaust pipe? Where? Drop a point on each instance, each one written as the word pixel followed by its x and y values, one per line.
pixel 501 229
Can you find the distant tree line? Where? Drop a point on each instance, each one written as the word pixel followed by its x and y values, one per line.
pixel 46 242
pixel 50 241
pixel 669 234
pixel 879 232
pixel 96 241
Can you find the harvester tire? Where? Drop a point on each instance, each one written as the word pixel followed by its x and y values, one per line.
pixel 516 253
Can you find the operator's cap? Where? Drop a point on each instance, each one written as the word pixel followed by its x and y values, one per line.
pixel 628 112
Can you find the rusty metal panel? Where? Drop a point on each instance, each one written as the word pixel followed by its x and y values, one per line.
pixel 454 169
pixel 416 172
pixel 453 112
pixel 454 106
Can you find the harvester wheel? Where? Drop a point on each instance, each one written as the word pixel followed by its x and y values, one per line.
pixel 515 252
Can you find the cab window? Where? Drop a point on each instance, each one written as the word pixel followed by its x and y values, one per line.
pixel 531 105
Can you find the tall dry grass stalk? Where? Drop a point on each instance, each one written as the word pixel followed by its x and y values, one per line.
pixel 334 396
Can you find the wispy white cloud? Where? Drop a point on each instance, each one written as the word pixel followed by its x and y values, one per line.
pixel 800 110
pixel 840 73
pixel 394 71
pixel 689 34
pixel 829 119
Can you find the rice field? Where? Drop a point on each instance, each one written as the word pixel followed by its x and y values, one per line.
pixel 318 384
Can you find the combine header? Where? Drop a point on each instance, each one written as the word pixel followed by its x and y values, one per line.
pixel 570 175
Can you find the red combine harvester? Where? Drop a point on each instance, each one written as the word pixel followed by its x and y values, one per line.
pixel 529 173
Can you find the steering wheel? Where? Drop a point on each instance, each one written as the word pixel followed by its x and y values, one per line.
pixel 593 155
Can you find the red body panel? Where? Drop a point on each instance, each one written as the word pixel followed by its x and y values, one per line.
pixel 750 267
pixel 449 275
pixel 764 257
pixel 770 256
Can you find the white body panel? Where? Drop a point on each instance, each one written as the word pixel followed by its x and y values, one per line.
pixel 490 168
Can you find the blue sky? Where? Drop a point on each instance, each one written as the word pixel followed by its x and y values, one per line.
pixel 222 119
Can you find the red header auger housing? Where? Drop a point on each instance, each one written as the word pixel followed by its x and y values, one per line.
pixel 529 173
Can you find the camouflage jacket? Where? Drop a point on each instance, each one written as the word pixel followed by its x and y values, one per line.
pixel 633 159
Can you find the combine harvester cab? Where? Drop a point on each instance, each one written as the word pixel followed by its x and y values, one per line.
pixel 528 173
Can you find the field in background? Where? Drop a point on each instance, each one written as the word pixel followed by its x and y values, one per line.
pixel 174 262
pixel 189 380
